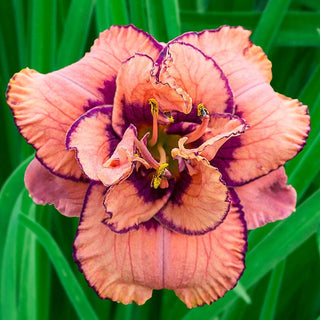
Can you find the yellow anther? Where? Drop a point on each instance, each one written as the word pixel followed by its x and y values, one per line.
pixel 202 110
pixel 154 106
pixel 168 115
pixel 156 180
pixel 161 169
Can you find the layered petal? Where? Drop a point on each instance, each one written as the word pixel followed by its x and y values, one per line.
pixel 199 76
pixel 126 267
pixel 135 87
pixel 45 188
pixel 266 145
pixel 226 44
pixel 267 199
pixel 101 155
pixel 199 202
pixel 270 141
pixel 45 106
pixel 221 128
pixel 203 268
pixel 132 202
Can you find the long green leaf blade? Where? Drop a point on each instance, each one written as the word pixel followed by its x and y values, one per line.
pixel 138 14
pixel 103 15
pixel 75 32
pixel 118 12
pixel 307 168
pixel 8 197
pixel 8 289
pixel 297 28
pixel 269 23
pixel 270 302
pixel 66 276
pixel 28 298
pixel 156 25
pixel 43 40
pixel 172 17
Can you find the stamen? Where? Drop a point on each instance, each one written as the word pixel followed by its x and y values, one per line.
pixel 162 173
pixel 202 111
pixel 200 130
pixel 162 153
pixel 155 115
pixel 168 115
pixel 146 155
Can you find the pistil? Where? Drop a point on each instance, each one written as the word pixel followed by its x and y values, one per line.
pixel 162 153
pixel 146 155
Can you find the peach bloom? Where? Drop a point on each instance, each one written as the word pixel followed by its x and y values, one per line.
pixel 168 153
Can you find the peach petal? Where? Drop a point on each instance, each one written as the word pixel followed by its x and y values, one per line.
pixel 226 43
pixel 101 155
pixel 207 266
pixel 267 199
pixel 45 106
pixel 266 145
pixel 279 126
pixel 45 188
pixel 135 86
pixel 93 139
pixel 126 267
pixel 132 202
pixel 199 76
pixel 106 258
pixel 199 202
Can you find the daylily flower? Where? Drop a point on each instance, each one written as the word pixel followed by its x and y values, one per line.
pixel 167 152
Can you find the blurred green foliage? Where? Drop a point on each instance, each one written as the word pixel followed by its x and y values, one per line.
pixel 39 279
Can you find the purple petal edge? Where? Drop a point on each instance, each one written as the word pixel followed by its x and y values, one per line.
pixel 74 254
pixel 91 113
pixel 230 101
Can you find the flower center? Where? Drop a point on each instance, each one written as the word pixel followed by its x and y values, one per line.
pixel 156 153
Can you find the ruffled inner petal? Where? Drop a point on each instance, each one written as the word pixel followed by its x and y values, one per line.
pixel 45 188
pixel 199 202
pixel 267 199
pixel 102 156
pixel 199 76
pixel 135 87
pixel 132 202
pixel 221 128
pixel 279 126
pixel 45 106
pixel 126 267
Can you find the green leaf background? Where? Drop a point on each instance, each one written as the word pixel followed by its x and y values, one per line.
pixel 39 279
